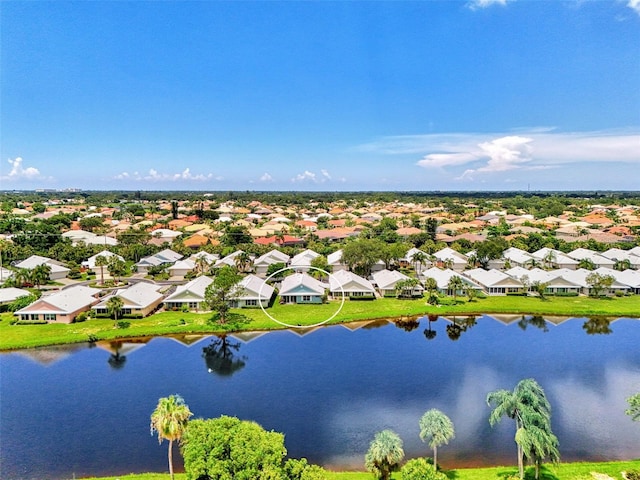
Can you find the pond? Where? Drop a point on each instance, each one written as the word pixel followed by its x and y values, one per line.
pixel 81 410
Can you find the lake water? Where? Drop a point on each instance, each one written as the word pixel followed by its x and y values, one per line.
pixel 80 411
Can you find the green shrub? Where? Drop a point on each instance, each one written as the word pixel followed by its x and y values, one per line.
pixel 123 324
pixel 619 293
pixel 633 475
pixel 82 316
pixel 420 469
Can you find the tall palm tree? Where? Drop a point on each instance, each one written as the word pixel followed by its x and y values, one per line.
pixel 454 286
pixel 170 419
pixel 114 306
pixel 385 454
pixel 102 261
pixel 529 407
pixel 419 259
pixel 437 429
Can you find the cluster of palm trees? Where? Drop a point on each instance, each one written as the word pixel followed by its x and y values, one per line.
pixel 37 276
pixel 527 405
pixel 385 451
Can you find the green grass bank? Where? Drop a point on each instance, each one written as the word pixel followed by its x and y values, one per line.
pixel 180 323
pixel 562 471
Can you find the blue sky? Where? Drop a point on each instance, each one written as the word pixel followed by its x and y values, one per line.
pixel 345 95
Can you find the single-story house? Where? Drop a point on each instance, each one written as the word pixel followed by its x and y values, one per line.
pixel 622 255
pixel 262 263
pixel 302 288
pixel 302 261
pixel 386 281
pixel 181 268
pixel 89 238
pixel 58 270
pixel 555 258
pixel 443 277
pixel 5 274
pixel 62 307
pixel 165 257
pixel 556 283
pixel 190 294
pixel 494 282
pixel 517 257
pixel 252 289
pixel 229 260
pixel 448 257
pixel 335 261
pixel 139 300
pixel 11 294
pixel 90 263
pixel 353 286
pixel 597 259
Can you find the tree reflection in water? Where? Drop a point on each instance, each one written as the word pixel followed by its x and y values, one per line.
pixel 221 356
pixel 407 324
pixel 534 320
pixel 458 327
pixel 116 360
pixel 428 332
pixel 597 326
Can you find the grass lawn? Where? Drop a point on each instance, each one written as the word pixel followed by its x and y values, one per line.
pixel 563 471
pixel 25 336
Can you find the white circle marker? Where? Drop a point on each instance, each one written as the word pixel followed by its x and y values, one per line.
pixel 264 282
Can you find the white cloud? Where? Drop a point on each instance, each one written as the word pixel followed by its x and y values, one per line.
pixel 634 5
pixel 477 4
pixel 535 149
pixel 266 177
pixel 312 177
pixel 155 176
pixel 18 172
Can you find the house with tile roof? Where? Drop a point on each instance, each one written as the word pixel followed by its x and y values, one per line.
pixel 352 286
pixel 302 288
pixel 139 300
pixel 189 296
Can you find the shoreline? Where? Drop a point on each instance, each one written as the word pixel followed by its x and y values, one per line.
pixel 17 337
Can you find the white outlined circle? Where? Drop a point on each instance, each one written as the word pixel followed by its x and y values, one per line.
pixel 264 282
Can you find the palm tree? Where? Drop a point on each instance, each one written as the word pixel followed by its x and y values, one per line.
pixel 202 264
pixel 437 429
pixel 114 305
pixel 419 258
pixel 431 286
pixel 454 286
pixel 102 261
pixel 385 454
pixel 550 259
pixel 40 274
pixel 242 261
pixel 530 409
pixel 170 419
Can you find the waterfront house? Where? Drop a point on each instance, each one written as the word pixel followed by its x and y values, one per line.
pixel 350 285
pixel 302 288
pixel 139 300
pixel 62 307
pixel 386 282
pixel 494 282
pixel 189 295
pixel 252 292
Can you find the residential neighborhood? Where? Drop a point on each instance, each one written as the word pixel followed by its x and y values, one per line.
pixel 71 256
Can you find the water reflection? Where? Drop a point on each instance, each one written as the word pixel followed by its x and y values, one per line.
pixel 537 321
pixel 407 324
pixel 328 389
pixel 597 326
pixel 221 356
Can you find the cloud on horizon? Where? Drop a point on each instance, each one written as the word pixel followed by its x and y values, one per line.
pixel 18 172
pixel 155 176
pixel 312 177
pixel 526 149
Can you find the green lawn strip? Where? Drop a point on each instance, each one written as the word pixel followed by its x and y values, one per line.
pixel 562 471
pixel 25 336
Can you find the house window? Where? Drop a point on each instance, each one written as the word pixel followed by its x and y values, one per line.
pixel 34 316
pixel 251 303
pixel 50 317
pixel 193 304
pixel 306 298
